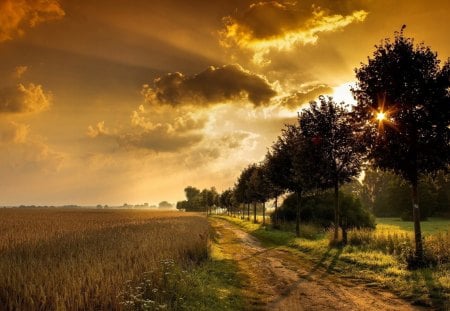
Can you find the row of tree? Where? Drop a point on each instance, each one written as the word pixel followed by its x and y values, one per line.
pixel 401 123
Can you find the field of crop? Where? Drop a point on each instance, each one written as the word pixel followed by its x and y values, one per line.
pixel 85 259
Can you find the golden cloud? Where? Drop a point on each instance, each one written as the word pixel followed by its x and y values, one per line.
pixel 282 25
pixel 97 130
pixel 18 15
pixel 24 99
pixel 212 86
pixel 299 98
pixel 182 130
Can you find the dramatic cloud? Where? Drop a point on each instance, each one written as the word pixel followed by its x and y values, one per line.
pixel 299 98
pixel 212 86
pixel 24 99
pixel 18 15
pixel 281 25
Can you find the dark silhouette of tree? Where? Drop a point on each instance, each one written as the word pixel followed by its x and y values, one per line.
pixel 191 193
pixel 290 156
pixel 192 202
pixel 164 204
pixel 226 199
pixel 273 173
pixel 242 189
pixel 406 83
pixel 259 190
pixel 331 147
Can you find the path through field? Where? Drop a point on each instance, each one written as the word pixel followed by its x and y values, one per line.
pixel 276 279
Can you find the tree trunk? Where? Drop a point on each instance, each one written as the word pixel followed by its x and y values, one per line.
pixel 297 214
pixel 336 211
pixel 416 218
pixel 248 211
pixel 264 213
pixel 254 212
pixel 275 219
pixel 344 230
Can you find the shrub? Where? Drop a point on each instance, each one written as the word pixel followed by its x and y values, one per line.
pixel 318 209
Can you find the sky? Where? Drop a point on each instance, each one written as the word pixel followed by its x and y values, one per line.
pixel 113 102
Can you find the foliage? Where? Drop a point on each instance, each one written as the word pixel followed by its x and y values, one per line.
pixel 318 209
pixel 407 84
pixel 332 146
pixel 388 195
pixel 227 199
pixel 197 200
pixel 242 191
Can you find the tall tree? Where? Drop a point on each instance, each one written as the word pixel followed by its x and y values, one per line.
pixel 259 189
pixel 332 146
pixel 294 163
pixel 272 165
pixel 242 190
pixel 226 200
pixel 403 103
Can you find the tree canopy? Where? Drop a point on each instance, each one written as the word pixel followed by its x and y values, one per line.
pixel 404 86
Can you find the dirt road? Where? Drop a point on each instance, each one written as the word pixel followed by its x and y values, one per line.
pixel 276 279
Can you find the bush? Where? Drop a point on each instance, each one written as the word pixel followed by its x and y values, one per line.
pixel 319 209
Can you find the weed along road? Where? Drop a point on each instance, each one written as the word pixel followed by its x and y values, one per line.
pixel 278 279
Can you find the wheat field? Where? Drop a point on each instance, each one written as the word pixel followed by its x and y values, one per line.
pixel 73 259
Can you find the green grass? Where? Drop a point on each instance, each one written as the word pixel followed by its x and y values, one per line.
pixel 430 226
pixel 213 284
pixel 373 266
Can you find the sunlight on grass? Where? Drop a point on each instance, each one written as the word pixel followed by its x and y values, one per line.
pixel 374 260
pixel 375 256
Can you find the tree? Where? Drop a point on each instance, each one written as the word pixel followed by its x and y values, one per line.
pixel 295 164
pixel 259 189
pixel 272 165
pixel 403 104
pixel 316 209
pixel 242 190
pixel 193 202
pixel 332 146
pixel 226 200
pixel 191 192
pixel 164 204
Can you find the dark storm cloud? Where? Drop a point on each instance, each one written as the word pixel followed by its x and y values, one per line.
pixel 212 86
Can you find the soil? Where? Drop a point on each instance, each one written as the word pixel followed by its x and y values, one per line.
pixel 278 279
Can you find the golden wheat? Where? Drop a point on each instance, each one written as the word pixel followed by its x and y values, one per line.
pixel 71 259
